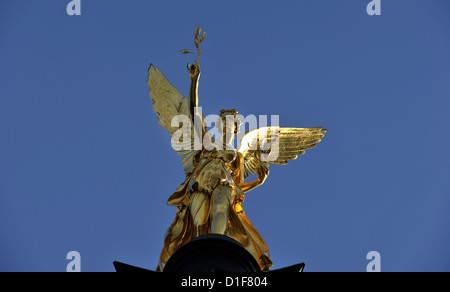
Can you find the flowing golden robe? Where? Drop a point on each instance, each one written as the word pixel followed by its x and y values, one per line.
pixel 213 169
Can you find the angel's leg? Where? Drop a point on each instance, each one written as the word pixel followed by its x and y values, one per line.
pixel 221 202
pixel 199 210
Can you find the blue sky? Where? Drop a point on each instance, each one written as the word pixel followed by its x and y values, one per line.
pixel 85 166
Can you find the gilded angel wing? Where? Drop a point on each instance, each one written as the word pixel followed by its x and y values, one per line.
pixel 168 103
pixel 276 145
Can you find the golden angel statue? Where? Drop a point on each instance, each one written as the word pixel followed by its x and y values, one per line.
pixel 210 199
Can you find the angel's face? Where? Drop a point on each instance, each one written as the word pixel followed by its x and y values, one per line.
pixel 228 126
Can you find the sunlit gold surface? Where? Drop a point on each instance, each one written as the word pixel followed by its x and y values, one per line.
pixel 210 199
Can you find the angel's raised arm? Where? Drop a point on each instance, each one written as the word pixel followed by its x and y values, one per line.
pixel 195 114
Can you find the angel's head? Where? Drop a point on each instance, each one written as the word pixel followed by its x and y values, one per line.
pixel 228 122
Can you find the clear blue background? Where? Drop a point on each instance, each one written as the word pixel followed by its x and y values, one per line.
pixel 85 166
